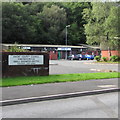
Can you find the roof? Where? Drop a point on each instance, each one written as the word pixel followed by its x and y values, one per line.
pixel 88 46
pixel 40 45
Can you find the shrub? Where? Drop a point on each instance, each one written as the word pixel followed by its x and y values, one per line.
pixel 114 58
pixel 97 58
pixel 15 49
pixel 104 59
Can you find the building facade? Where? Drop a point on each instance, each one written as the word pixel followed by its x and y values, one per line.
pixel 56 52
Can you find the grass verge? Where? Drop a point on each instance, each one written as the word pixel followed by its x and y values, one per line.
pixel 17 81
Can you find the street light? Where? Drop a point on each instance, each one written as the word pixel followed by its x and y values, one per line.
pixel 66 41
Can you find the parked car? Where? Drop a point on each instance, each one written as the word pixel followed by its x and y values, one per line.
pixel 71 57
pixel 89 57
pixel 79 57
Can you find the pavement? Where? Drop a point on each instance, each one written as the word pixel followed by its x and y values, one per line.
pixel 40 92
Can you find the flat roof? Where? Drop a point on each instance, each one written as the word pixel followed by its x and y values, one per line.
pixel 40 45
pixel 94 47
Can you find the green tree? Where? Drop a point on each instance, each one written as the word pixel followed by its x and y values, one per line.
pixel 43 23
pixel 102 24
pixel 112 27
pixel 17 24
pixel 54 21
pixel 76 34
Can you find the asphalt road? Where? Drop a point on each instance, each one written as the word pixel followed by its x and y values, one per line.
pixel 95 106
pixel 27 91
pixel 76 66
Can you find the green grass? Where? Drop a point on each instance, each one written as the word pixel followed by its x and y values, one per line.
pixel 55 78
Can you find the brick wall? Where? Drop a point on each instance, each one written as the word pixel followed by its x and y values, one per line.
pixel 53 55
pixel 16 64
pixel 106 53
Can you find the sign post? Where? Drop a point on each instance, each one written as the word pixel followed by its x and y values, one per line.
pixel 25 64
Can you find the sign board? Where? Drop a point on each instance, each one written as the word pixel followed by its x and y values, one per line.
pixel 64 49
pixel 25 64
pixel 26 48
pixel 25 60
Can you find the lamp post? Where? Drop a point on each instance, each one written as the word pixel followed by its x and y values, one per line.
pixel 66 41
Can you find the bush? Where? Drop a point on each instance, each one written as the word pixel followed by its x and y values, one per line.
pixel 97 58
pixel 104 59
pixel 114 58
pixel 15 49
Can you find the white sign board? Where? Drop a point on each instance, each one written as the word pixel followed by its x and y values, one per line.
pixel 26 48
pixel 25 60
pixel 64 49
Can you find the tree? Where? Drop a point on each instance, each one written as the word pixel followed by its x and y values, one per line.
pixel 112 26
pixel 76 34
pixel 43 23
pixel 17 24
pixel 54 21
pixel 100 28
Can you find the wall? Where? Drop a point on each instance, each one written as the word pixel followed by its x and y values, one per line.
pixel 106 53
pixel 25 64
pixel 53 55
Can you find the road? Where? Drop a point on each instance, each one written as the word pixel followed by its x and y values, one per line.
pixel 76 66
pixel 28 91
pixel 95 106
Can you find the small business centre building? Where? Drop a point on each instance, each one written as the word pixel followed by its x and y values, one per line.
pixel 56 52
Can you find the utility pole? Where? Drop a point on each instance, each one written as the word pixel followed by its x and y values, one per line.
pixel 66 41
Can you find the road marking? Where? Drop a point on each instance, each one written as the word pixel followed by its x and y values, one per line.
pixel 99 63
pixel 103 70
pixel 95 70
pixel 107 86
